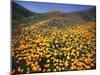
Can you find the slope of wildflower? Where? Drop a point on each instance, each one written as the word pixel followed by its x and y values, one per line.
pixel 54 45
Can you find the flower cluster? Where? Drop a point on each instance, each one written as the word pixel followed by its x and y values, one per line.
pixel 50 48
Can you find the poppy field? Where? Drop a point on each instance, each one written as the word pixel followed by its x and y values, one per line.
pixel 55 42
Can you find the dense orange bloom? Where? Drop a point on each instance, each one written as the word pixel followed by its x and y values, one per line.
pixel 45 48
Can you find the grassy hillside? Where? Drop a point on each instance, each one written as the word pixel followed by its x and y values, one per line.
pixel 19 12
pixel 23 15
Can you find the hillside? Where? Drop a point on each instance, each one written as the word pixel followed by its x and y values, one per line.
pixel 19 12
pixel 23 15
